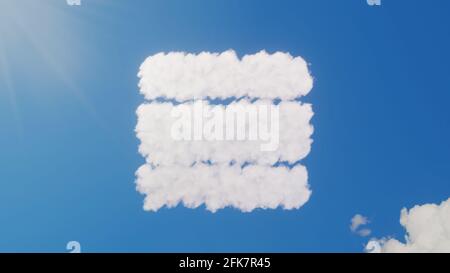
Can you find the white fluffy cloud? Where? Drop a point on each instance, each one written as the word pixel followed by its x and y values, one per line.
pixel 357 222
pixel 218 174
pixel 427 230
pixel 219 186
pixel 186 76
pixel 154 130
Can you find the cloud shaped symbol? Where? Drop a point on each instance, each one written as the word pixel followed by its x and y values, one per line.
pixel 221 131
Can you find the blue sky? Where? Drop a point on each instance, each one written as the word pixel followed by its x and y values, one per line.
pixel 68 95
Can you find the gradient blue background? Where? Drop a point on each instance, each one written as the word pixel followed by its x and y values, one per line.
pixel 68 95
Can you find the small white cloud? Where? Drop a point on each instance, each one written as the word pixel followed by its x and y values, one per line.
pixel 356 222
pixel 364 232
pixel 427 230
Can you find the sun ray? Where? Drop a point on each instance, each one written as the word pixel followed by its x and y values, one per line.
pixel 9 87
pixel 20 21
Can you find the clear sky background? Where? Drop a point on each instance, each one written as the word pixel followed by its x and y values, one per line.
pixel 68 95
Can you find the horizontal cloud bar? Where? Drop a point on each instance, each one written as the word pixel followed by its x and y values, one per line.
pixel 289 141
pixel 183 76
pixel 219 186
